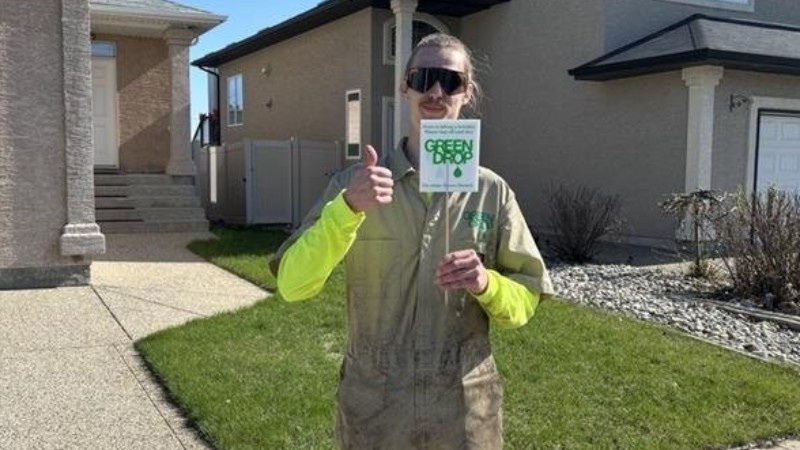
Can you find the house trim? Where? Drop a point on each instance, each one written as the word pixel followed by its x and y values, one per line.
pixel 719 4
pixel 110 13
pixel 757 106
pixel 387 103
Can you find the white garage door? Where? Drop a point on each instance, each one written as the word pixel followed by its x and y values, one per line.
pixel 779 152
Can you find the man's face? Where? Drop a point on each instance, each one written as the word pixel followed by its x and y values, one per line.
pixel 435 103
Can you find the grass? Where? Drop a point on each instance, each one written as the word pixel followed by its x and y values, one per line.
pixel 265 377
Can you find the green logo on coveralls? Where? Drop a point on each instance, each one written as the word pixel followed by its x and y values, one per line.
pixel 450 151
pixel 479 220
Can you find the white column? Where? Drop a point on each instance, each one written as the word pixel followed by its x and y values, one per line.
pixel 180 156
pixel 403 21
pixel 701 82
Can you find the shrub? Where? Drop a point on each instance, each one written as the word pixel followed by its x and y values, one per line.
pixel 579 217
pixel 761 239
pixel 696 213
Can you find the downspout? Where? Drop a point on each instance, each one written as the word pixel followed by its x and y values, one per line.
pixel 218 111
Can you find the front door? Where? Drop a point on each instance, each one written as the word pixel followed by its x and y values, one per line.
pixel 104 113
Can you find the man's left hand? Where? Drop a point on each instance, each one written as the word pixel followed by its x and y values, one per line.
pixel 462 269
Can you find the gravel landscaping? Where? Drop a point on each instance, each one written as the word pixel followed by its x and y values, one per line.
pixel 667 297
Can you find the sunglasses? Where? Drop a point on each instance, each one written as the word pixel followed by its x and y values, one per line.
pixel 424 78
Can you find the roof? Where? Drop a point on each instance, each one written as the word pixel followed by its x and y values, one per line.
pixel 329 11
pixel 152 5
pixel 702 40
pixel 148 17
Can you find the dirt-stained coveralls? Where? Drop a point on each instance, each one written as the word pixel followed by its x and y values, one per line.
pixel 418 371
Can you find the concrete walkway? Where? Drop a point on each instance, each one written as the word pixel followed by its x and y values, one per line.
pixel 69 376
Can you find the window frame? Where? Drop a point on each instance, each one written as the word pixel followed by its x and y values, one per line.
pixel 731 5
pixel 238 92
pixel 348 142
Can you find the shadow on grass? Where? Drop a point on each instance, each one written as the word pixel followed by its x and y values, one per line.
pixel 243 251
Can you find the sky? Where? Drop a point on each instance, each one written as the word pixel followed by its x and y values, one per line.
pixel 245 18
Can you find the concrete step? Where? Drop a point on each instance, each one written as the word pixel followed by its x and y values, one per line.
pixel 141 179
pixel 173 226
pixel 144 190
pixel 146 202
pixel 150 214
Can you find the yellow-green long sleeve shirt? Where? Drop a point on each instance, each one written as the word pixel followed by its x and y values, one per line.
pixel 308 263
pixel 418 371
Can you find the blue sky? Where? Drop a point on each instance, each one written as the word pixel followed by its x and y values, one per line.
pixel 245 18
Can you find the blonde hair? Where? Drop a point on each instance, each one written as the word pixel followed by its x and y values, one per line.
pixel 442 40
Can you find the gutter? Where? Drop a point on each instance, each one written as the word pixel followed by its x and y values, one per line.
pixel 216 75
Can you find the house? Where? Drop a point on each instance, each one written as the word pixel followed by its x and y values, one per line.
pixel 639 98
pixel 94 100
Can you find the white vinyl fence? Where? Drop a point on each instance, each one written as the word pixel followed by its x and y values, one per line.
pixel 265 182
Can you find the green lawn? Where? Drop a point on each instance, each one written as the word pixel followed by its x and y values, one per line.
pixel 575 378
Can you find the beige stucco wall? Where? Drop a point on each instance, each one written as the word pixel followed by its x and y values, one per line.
pixel 305 78
pixel 143 86
pixel 36 138
pixel 541 127
pixel 732 128
pixel 32 160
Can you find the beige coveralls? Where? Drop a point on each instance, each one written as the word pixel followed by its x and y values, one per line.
pixel 418 372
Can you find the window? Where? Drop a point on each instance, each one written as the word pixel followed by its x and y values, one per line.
pixel 353 124
pixel 235 100
pixel 104 49
pixel 422 26
pixel 736 5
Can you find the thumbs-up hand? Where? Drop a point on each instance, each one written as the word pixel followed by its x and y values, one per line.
pixel 371 186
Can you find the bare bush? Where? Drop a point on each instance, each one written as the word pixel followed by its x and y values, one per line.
pixel 579 217
pixel 761 239
pixel 696 213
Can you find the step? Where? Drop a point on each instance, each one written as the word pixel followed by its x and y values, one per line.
pixel 141 179
pixel 144 190
pixel 151 214
pixel 172 226
pixel 146 202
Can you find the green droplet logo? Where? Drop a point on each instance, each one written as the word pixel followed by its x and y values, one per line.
pixel 457 173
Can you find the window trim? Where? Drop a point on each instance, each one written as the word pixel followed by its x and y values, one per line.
pixel 750 6
pixel 388 24
pixel 347 141
pixel 240 97
pixel 387 123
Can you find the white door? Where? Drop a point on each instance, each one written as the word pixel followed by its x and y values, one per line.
pixel 779 152
pixel 104 112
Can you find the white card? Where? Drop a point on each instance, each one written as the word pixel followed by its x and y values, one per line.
pixel 449 155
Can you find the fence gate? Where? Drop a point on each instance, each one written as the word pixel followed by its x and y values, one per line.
pixel 316 162
pixel 270 182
